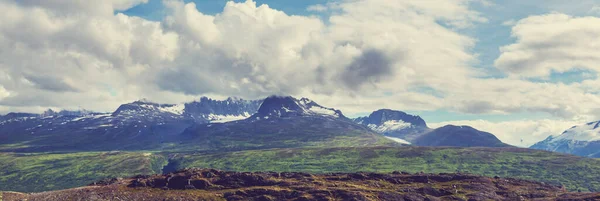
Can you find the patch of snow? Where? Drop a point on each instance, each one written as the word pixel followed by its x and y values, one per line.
pixel 79 118
pixel 323 111
pixel 587 132
pixel 391 125
pixel 98 116
pixel 99 126
pixel 398 140
pixel 214 118
pixel 101 116
pixel 175 109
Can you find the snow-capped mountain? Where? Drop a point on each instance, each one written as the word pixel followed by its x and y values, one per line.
pixel 287 106
pixel 139 121
pixel 395 124
pixel 204 111
pixel 582 140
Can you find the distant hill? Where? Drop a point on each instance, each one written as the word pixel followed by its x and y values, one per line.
pixel 458 136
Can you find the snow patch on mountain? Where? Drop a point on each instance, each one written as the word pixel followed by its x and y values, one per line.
pixel 390 125
pixel 587 132
pixel 398 140
pixel 213 118
pixel 310 107
pixel 287 106
pixel 175 109
pixel 323 111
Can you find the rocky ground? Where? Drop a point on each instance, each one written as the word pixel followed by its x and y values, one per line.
pixel 209 184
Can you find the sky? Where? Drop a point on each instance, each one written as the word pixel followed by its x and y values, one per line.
pixel 522 70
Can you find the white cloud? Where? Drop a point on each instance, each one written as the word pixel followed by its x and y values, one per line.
pixel 72 59
pixel 256 51
pixel 510 23
pixel 552 42
pixel 522 133
pixel 3 92
pixel 317 8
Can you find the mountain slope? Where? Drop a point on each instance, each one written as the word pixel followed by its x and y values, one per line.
pixel 395 124
pixel 458 136
pixel 581 140
pixel 43 172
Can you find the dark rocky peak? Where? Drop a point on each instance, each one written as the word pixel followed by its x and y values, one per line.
pixel 382 116
pixel 459 136
pixel 287 106
pixel 231 106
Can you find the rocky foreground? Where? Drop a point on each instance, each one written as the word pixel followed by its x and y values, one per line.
pixel 209 184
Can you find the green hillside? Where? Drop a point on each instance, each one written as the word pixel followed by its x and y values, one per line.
pixel 575 173
pixel 42 172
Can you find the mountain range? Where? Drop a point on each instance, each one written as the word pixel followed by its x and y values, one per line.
pixel 231 124
pixel 64 149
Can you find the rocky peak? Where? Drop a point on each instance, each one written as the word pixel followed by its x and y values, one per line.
pixel 382 116
pixel 147 107
pixel 395 124
pixel 287 106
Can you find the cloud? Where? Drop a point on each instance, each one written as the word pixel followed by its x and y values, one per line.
pixel 100 59
pixel 254 50
pixel 522 133
pixel 371 66
pixel 595 10
pixel 3 92
pixel 510 22
pixel 50 83
pixel 552 42
pixel 317 8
